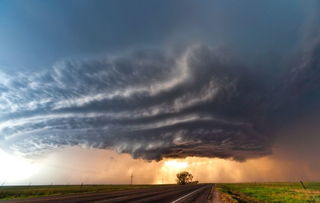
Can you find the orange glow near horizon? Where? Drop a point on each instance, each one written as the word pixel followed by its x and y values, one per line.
pixel 77 165
pixel 176 164
pixel 213 169
pixel 168 170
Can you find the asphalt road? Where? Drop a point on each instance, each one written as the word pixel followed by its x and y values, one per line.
pixel 174 194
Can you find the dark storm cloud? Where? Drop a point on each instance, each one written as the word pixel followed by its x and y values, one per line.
pixel 298 93
pixel 147 103
pixel 154 104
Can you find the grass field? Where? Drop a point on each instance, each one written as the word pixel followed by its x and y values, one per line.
pixel 271 192
pixel 241 192
pixel 13 192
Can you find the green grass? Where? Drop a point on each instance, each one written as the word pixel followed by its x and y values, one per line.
pixel 14 192
pixel 272 192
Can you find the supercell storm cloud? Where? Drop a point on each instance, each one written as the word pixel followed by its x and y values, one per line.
pixel 147 103
pixel 207 79
pixel 151 104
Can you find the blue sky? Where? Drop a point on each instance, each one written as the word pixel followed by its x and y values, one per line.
pixel 37 34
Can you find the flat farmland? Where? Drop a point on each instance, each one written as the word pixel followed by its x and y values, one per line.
pixel 20 192
pixel 270 192
pixel 227 192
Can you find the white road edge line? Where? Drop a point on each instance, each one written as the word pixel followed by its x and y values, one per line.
pixel 187 195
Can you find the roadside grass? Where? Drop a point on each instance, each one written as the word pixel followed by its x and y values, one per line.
pixel 272 192
pixel 17 192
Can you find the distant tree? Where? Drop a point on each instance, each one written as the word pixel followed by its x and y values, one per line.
pixel 184 177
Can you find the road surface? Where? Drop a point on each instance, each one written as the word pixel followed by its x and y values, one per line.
pixel 173 194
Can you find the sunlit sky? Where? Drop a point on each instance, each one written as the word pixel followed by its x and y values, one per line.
pixel 92 91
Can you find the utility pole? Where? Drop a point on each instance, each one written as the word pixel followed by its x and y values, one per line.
pixel 304 187
pixel 131 178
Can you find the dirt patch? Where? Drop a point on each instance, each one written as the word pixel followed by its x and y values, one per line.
pixel 226 198
pixel 230 196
